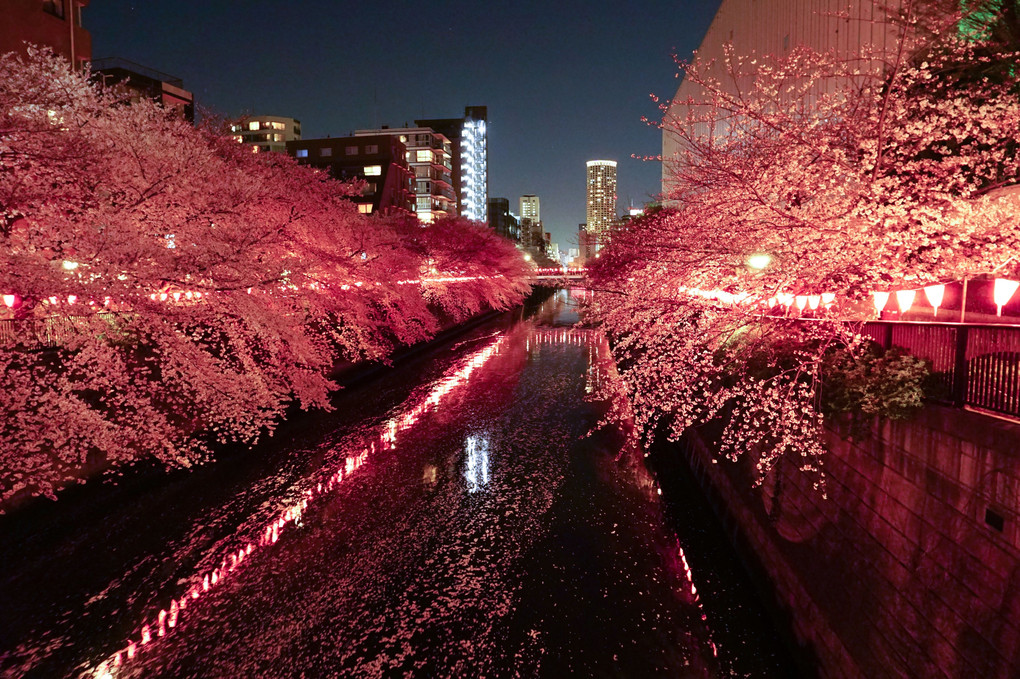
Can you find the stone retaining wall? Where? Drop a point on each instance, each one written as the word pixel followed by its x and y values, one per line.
pixel 911 567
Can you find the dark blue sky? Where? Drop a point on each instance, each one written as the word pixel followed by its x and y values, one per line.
pixel 565 82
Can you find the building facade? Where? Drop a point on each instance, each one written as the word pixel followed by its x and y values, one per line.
pixel 470 172
pixel 601 204
pixel 52 23
pixel 378 160
pixel 429 156
pixel 502 221
pixel 141 82
pixel 267 134
pixel 774 27
pixel 532 233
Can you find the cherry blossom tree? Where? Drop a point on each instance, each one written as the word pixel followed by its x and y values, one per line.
pixel 172 291
pixel 796 177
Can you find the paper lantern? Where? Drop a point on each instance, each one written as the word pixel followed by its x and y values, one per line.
pixel 905 299
pixel 1003 291
pixel 801 301
pixel 935 294
pixel 71 299
pixel 881 299
pixel 828 298
pixel 814 300
pixel 9 300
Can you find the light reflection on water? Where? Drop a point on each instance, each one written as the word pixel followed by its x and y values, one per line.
pixel 328 479
pixel 470 530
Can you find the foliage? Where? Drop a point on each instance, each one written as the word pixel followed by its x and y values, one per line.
pixel 872 382
pixel 212 287
pixel 852 175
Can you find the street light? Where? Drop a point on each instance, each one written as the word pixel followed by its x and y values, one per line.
pixel 759 261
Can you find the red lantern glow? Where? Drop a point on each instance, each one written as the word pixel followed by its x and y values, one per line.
pixel 935 294
pixel 1003 291
pixel 905 299
pixel 881 299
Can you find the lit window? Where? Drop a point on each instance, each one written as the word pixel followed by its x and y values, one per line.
pixel 235 128
pixel 277 137
pixel 352 150
pixel 403 138
pixel 325 151
pixel 253 125
pixel 302 153
pixel 254 149
pixel 373 170
pixel 371 149
pixel 365 208
pixel 238 138
pixel 424 156
pixel 279 126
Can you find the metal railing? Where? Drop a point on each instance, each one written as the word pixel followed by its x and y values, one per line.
pixel 48 332
pixel 975 366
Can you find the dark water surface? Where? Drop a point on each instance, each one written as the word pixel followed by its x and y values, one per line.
pixel 452 518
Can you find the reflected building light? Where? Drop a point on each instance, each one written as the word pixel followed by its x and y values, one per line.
pixel 476 471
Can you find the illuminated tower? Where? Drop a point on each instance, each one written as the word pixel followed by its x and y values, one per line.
pixel 474 168
pixel 531 221
pixel 601 197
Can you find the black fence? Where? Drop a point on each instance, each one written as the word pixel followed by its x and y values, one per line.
pixel 977 366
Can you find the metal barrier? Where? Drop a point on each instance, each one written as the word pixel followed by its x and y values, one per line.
pixel 973 365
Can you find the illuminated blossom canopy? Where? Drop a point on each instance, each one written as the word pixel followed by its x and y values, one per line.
pixel 189 290
pixel 796 177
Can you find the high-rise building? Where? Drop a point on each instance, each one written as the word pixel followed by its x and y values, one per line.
pixel 430 157
pixel 601 210
pixel 532 234
pixel 531 208
pixel 52 23
pixel 267 133
pixel 379 161
pixel 470 172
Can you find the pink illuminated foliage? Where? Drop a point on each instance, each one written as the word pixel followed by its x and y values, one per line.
pixel 851 174
pixel 212 287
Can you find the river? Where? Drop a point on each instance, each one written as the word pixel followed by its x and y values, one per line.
pixel 455 516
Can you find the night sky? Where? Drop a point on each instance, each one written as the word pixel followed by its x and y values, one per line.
pixel 565 82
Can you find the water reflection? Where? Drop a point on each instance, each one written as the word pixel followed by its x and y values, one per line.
pixel 476 471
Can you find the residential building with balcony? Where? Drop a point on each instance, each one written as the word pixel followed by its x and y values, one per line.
pixel 267 134
pixel 429 156
pixel 469 141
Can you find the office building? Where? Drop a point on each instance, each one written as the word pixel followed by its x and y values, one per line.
pixel 378 160
pixel 50 23
pixel 601 205
pixel 267 134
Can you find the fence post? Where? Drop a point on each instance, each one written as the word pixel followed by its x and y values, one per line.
pixel 960 367
pixel 887 336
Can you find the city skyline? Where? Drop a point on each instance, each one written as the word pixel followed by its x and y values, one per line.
pixel 557 99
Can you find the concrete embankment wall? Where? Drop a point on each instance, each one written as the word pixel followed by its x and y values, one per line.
pixel 911 567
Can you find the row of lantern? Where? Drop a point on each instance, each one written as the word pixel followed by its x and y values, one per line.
pixel 1002 291
pixel 11 300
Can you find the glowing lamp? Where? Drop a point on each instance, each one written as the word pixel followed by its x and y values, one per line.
pixel 801 301
pixel 1003 291
pixel 881 299
pixel 785 298
pixel 813 301
pixel 177 296
pixel 9 301
pixel 905 299
pixel 53 299
pixel 163 296
pixel 71 299
pixel 828 298
pixel 935 293
pixel 772 302
pixel 758 261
